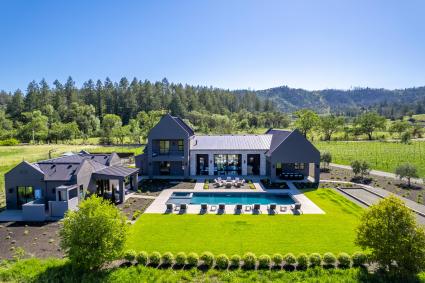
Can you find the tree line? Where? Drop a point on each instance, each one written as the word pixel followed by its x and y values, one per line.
pixel 114 110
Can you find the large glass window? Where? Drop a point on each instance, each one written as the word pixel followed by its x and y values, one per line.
pixel 299 166
pixel 180 145
pixel 25 194
pixel 253 164
pixel 164 168
pixel 227 164
pixel 164 147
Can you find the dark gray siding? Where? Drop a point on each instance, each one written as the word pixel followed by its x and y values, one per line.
pixel 168 129
pixel 22 175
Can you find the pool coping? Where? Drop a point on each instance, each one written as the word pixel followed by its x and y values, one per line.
pixel 158 206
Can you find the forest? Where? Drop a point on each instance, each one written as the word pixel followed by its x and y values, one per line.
pixel 120 109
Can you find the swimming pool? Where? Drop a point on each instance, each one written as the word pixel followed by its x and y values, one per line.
pixel 233 198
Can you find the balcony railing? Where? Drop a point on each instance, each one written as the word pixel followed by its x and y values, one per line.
pixel 168 153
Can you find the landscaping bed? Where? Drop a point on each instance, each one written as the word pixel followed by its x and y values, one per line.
pixel 269 185
pixel 134 207
pixel 37 239
pixel 415 192
pixel 154 187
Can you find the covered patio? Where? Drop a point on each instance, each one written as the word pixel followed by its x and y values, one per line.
pixel 116 179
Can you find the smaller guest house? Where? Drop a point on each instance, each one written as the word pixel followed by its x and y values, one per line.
pixel 47 189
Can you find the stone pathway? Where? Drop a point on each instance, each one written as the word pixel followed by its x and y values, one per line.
pixel 378 173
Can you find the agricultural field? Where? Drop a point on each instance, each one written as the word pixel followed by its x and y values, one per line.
pixel 230 234
pixel 10 156
pixel 384 156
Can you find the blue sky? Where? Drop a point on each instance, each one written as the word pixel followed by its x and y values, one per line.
pixel 230 44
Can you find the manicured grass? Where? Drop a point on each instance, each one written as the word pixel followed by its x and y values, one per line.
pixel 56 270
pixel 229 234
pixel 10 156
pixel 384 156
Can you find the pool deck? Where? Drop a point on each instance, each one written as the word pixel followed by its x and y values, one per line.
pixel 307 206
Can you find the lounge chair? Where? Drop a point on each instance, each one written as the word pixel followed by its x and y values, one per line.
pixel 204 206
pixel 272 207
pixel 183 207
pixel 170 206
pixel 228 179
pixel 296 206
pixel 257 206
pixel 221 206
pixel 238 207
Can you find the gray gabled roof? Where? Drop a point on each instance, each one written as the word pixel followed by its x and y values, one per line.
pixel 232 142
pixel 185 126
pixel 116 171
pixel 278 137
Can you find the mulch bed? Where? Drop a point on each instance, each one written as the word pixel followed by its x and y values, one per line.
pixel 134 204
pixel 37 239
pixel 415 192
pixel 155 187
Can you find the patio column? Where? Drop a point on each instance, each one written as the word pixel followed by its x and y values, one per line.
pixel 121 189
pixel 210 164
pixel 244 164
pixel 135 181
pixel 262 165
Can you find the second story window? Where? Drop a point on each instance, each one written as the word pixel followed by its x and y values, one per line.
pixel 164 147
pixel 180 145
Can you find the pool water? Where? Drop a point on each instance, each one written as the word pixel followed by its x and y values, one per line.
pixel 236 198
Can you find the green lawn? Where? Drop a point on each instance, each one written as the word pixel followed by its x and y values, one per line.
pixel 10 156
pixel 385 156
pixel 331 232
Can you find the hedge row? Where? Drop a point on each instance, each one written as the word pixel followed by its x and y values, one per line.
pixel 247 261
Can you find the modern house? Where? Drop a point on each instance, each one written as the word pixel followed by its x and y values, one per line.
pixel 47 189
pixel 173 149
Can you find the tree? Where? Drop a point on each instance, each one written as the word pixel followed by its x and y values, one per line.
pixel 94 234
pixel 120 133
pixel 369 122
pixel 361 168
pixel 147 120
pixel 110 124
pixel 417 131
pixel 35 128
pixel 389 231
pixel 306 121
pixel 326 158
pixel 329 125
pixel 85 117
pixel 406 137
pixel 399 127
pixel 407 171
pixel 16 105
pixel 135 132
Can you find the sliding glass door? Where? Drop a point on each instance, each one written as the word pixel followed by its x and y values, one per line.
pixel 227 164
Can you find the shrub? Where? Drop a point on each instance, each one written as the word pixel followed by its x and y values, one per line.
pixel 207 259
pixel 192 259
pixel 315 259
pixel 130 255
pixel 9 142
pixel 344 260
pixel 302 260
pixel 290 259
pixel 359 259
pixel 249 260
pixel 181 258
pixel 329 259
pixel 167 258
pixel 277 259
pixel 142 258
pixel 206 185
pixel 96 219
pixel 136 214
pixel 155 258
pixel 222 261
pixel 235 260
pixel 264 261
